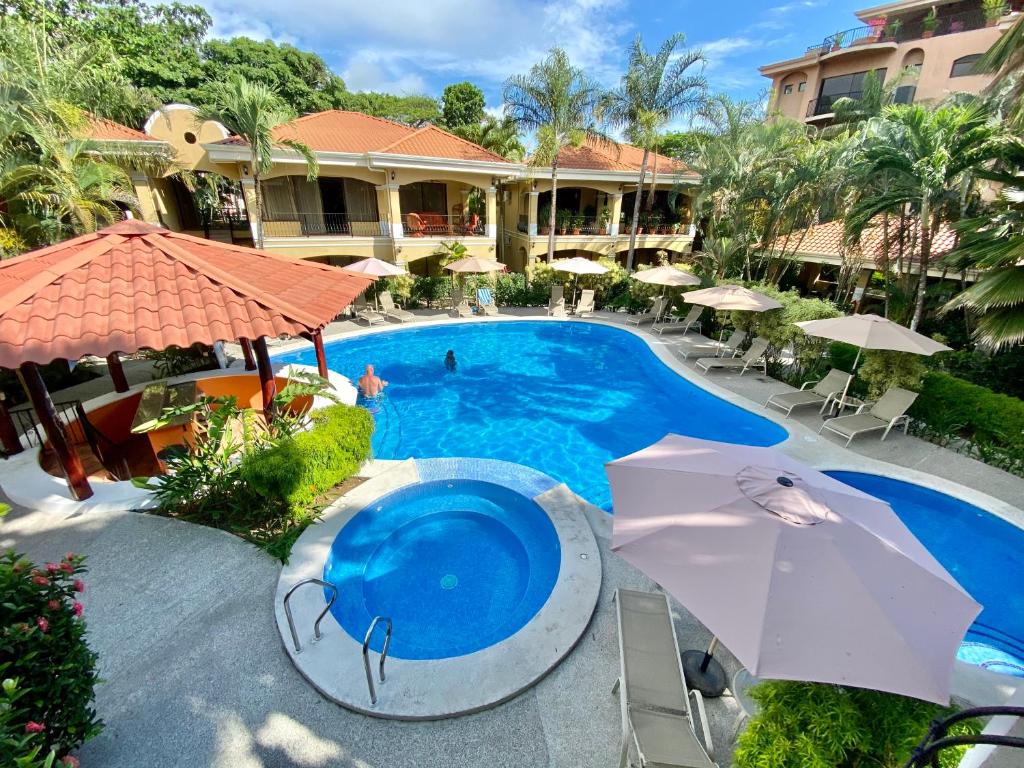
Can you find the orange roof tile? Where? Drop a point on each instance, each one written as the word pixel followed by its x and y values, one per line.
pixel 135 285
pixel 101 129
pixel 827 240
pixel 597 155
pixel 355 132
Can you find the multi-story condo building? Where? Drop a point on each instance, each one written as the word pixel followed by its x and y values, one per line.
pixel 395 192
pixel 923 49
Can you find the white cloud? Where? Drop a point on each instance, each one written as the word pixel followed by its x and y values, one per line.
pixel 366 72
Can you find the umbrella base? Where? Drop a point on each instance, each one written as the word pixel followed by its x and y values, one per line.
pixel 711 682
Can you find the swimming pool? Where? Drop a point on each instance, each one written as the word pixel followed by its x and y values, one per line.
pixel 982 551
pixel 457 565
pixel 561 397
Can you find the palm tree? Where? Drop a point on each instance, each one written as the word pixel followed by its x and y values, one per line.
pixel 654 89
pixel 928 158
pixel 253 111
pixel 556 100
pixel 1006 58
pixel 497 136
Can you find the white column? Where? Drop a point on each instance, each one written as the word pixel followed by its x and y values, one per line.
pixel 615 199
pixel 249 195
pixel 491 194
pixel 531 218
pixel 392 213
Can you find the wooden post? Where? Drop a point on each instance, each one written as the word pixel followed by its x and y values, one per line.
pixel 250 361
pixel 8 432
pixel 321 357
pixel 78 483
pixel 268 385
pixel 117 372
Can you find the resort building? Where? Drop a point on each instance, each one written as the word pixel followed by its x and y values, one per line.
pixel 923 49
pixel 395 192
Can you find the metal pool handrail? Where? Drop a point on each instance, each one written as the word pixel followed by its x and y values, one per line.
pixel 383 655
pixel 316 624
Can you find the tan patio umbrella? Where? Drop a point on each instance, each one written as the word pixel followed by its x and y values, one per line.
pixel 732 297
pixel 578 265
pixel 376 268
pixel 871 332
pixel 476 264
pixel 666 275
pixel 800 576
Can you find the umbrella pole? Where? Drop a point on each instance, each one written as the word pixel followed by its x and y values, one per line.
pixel 703 672
pixel 853 372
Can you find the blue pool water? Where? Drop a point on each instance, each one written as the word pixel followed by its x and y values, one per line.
pixel 457 565
pixel 563 398
pixel 982 552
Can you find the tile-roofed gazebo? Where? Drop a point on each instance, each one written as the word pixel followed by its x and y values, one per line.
pixel 600 155
pixel 134 286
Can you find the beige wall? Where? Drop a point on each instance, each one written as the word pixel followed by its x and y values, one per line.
pixel 176 124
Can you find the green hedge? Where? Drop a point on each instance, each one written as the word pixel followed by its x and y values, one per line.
pixel 301 467
pixel 991 424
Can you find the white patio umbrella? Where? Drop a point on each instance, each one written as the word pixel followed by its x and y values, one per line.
pixel 578 265
pixel 871 332
pixel 375 267
pixel 476 264
pixel 800 576
pixel 666 275
pixel 732 297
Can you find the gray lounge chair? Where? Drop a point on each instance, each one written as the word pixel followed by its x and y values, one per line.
pixel 585 306
pixel 670 322
pixel 834 383
pixel 651 315
pixel 556 304
pixel 362 311
pixel 658 723
pixel 890 411
pixel 392 310
pixel 460 306
pixel 731 346
pixel 752 358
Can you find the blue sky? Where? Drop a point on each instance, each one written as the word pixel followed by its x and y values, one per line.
pixel 418 46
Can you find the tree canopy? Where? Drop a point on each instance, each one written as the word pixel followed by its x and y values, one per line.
pixel 462 104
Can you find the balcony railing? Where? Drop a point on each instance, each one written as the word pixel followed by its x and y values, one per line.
pixel 425 224
pixel 915 29
pixel 319 224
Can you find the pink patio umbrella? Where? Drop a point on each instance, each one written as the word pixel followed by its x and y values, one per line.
pixel 374 267
pixel 732 297
pixel 800 576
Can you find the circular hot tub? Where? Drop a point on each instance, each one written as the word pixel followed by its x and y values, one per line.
pixel 486 572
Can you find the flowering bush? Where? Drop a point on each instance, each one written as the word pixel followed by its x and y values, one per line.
pixel 47 672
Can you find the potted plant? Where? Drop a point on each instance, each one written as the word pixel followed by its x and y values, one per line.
pixel 576 223
pixel 603 220
pixel 562 218
pixel 930 23
pixel 545 220
pixel 892 28
pixel 837 40
pixel 994 10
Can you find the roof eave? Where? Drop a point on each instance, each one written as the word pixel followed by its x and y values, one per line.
pixel 419 162
pixel 589 174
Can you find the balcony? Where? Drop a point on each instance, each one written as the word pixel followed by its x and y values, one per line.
pixel 427 224
pixel 320 224
pixel 900 31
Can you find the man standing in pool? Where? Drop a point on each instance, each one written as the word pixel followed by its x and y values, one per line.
pixel 449 361
pixel 370 384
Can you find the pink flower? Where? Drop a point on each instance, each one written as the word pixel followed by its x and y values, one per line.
pixel 69 556
pixel 43 624
pixel 33 727
pixel 78 608
pixel 67 567
pixel 79 585
pixel 53 605
pixel 71 762
pixel 51 567
pixel 42 581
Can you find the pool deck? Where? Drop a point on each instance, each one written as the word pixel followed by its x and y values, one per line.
pixel 182 617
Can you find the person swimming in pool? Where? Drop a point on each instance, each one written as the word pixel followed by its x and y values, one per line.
pixel 370 384
pixel 449 361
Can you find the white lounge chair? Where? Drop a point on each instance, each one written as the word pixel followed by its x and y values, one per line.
pixel 362 311
pixel 658 723
pixel 650 315
pixel 670 322
pixel 731 346
pixel 460 306
pixel 834 383
pixel 585 306
pixel 556 304
pixel 392 310
pixel 485 301
pixel 752 358
pixel 890 411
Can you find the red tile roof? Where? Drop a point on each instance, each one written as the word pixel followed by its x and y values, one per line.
pixel 598 155
pixel 101 129
pixel 355 132
pixel 827 240
pixel 135 285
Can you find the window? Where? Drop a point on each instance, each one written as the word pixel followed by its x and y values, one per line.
pixel 964 65
pixel 802 87
pixel 787 89
pixel 843 87
pixel 904 94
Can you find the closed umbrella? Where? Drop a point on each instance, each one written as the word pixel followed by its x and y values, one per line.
pixel 871 332
pixel 732 297
pixel 374 267
pixel 578 265
pixel 800 576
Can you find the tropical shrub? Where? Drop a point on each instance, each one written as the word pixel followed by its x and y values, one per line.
pixel 812 725
pixel 175 361
pixel 972 419
pixel 47 670
pixel 430 290
pixel 644 293
pixel 883 369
